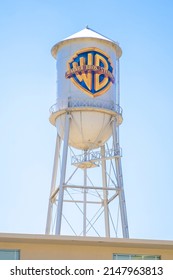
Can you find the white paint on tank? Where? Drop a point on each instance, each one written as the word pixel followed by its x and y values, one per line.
pixel 89 128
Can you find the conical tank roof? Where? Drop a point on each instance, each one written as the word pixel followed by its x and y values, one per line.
pixel 86 33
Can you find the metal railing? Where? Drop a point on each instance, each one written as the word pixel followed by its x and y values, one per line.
pixel 96 156
pixel 85 102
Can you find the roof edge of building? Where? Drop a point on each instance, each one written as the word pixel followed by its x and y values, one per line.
pixel 88 241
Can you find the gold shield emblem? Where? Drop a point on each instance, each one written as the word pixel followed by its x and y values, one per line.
pixel 91 70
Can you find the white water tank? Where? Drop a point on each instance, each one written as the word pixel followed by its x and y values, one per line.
pixel 86 88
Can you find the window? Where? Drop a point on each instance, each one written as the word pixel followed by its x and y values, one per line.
pixel 9 254
pixel 135 257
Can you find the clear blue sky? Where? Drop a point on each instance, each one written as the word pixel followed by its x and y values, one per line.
pixel 144 30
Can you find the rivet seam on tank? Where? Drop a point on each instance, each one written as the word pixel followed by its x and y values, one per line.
pixel 91 70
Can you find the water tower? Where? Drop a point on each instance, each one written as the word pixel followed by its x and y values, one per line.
pixel 87 195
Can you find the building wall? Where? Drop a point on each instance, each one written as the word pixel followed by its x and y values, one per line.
pixel 40 247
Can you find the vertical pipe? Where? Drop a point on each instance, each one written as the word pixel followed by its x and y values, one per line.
pixel 115 134
pixel 62 176
pixel 53 183
pixel 85 201
pixel 117 82
pixel 105 198
pixel 117 95
pixel 121 195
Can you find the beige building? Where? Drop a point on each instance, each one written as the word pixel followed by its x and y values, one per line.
pixel 42 247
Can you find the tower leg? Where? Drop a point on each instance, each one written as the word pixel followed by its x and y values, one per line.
pixel 122 202
pixel 53 183
pixel 105 199
pixel 85 202
pixel 62 176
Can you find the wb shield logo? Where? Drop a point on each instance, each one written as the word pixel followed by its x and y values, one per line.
pixel 90 70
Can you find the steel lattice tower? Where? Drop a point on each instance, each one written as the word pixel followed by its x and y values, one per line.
pixel 87 193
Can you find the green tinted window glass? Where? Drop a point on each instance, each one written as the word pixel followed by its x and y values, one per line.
pixel 145 257
pixel 121 257
pixel 135 257
pixel 9 254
